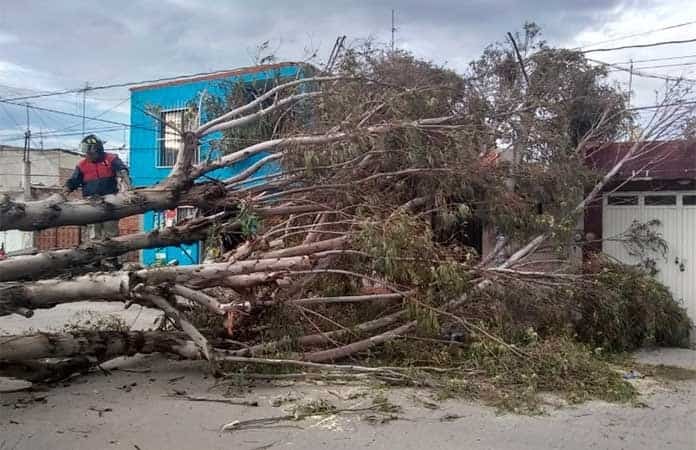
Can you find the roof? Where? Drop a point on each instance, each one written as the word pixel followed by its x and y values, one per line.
pixel 660 160
pixel 42 150
pixel 215 75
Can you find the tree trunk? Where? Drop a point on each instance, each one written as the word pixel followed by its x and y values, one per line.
pixel 119 285
pixel 103 345
pixel 55 211
pixel 90 252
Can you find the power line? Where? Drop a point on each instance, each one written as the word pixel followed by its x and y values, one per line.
pixel 654 44
pixel 111 86
pixel 671 58
pixel 682 103
pixel 101 114
pixel 642 33
pixel 641 74
pixel 55 111
pixel 47 134
pixel 10 116
pixel 660 66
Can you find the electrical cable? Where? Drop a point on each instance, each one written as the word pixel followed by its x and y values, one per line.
pixel 642 33
pixel 653 44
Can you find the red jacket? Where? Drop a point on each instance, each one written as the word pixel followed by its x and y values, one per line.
pixel 96 178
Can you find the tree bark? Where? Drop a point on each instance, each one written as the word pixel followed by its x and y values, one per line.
pixel 55 211
pixel 334 354
pixel 119 285
pixel 103 345
pixel 49 262
pixel 320 338
pixel 182 322
pixel 308 249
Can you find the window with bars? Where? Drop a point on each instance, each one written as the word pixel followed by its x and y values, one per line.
pixel 184 212
pixel 163 219
pixel 169 138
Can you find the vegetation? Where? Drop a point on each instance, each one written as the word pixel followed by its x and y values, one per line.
pixel 364 245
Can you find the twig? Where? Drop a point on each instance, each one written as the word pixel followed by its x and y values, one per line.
pixel 478 329
pixel 193 398
pixel 238 425
pixel 359 346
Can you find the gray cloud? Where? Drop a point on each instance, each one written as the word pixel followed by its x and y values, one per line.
pixel 63 44
pixel 88 40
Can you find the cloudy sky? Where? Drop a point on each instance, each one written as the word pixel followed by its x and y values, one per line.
pixel 51 45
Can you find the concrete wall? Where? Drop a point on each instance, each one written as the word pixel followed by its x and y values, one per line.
pixel 49 167
pixel 46 167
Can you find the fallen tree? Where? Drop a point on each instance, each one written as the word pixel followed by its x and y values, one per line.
pixel 362 240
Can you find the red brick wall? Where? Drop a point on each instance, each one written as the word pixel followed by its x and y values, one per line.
pixel 130 225
pixel 72 236
pixel 61 237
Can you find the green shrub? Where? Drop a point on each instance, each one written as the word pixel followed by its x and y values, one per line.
pixel 624 308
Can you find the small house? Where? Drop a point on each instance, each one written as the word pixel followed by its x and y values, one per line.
pixel 154 145
pixel 657 189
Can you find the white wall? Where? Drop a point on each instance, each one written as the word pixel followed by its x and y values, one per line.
pixel 15 240
pixel 46 166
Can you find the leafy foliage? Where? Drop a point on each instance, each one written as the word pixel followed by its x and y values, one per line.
pixel 623 308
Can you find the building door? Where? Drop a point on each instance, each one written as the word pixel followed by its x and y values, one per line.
pixel 676 213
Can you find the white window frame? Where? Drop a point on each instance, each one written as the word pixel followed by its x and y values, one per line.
pixel 641 198
pixel 165 132
pixel 159 221
pixel 185 212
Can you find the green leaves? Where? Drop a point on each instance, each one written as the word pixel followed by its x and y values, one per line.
pixel 250 223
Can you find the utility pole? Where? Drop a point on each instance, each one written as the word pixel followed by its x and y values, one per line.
pixel 630 83
pixel 84 102
pixel 393 30
pixel 27 159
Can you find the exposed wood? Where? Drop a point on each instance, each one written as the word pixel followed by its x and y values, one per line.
pixel 338 353
pixel 182 322
pixel 308 249
pixel 320 338
pixel 211 303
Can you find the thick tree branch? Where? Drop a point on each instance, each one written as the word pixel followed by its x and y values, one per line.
pixel 91 252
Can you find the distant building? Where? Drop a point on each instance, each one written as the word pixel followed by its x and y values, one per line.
pixel 49 170
pixel 153 146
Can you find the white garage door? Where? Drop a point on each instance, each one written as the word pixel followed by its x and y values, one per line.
pixel 676 212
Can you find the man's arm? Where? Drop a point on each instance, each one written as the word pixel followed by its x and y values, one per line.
pixel 122 172
pixel 74 182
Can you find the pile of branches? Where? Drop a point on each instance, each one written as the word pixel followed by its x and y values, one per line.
pixel 347 228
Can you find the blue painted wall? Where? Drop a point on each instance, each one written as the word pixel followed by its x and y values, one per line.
pixel 144 144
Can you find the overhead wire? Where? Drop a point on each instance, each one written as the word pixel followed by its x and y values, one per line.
pixel 101 114
pixel 653 44
pixel 641 73
pixel 661 66
pixel 112 86
pixel 55 111
pixel 642 33
pixel 669 58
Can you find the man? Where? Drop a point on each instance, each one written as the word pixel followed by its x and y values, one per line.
pixel 97 175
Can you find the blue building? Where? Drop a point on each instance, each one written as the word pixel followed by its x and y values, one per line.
pixel 153 146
